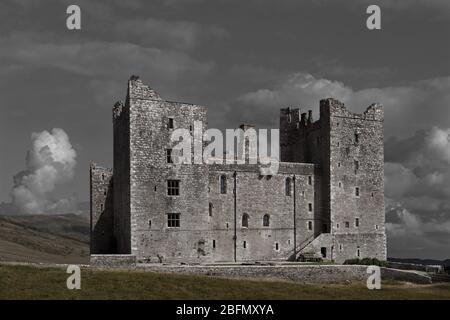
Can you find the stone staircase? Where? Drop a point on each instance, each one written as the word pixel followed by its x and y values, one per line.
pixel 293 254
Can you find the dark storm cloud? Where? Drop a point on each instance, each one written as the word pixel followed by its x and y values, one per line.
pixel 417 172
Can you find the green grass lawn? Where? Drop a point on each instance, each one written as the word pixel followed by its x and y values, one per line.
pixel 28 282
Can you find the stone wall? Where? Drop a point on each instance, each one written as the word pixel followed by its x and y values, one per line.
pixel 121 134
pixel 101 224
pixel 113 261
pixel 299 273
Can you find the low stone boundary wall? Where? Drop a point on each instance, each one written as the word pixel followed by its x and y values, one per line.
pixel 298 273
pixel 113 260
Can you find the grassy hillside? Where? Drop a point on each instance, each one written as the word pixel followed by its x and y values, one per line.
pixel 44 238
pixel 27 282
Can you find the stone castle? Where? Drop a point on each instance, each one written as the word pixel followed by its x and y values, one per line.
pixel 327 197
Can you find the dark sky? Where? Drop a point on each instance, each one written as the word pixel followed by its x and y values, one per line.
pixel 244 60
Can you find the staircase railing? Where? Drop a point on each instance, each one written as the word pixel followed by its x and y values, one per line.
pixel 302 245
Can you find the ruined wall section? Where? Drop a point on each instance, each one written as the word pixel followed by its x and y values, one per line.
pixel 101 222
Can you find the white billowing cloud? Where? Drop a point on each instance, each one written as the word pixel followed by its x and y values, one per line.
pixel 406 223
pixel 299 88
pixel 50 162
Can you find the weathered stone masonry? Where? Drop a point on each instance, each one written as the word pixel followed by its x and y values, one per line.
pixel 326 198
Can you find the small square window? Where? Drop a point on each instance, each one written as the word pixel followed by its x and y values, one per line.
pixel 347 224
pixel 173 220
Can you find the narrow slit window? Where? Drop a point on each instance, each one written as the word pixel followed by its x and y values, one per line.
pixel 170 123
pixel 288 186
pixel 169 156
pixel 245 220
pixel 223 184
pixel 266 220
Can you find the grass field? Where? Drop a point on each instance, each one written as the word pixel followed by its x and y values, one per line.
pixel 28 282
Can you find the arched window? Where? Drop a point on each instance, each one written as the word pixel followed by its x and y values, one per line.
pixel 288 186
pixel 223 184
pixel 266 220
pixel 245 220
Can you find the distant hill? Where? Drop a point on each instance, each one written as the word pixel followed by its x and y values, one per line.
pixel 422 261
pixel 60 238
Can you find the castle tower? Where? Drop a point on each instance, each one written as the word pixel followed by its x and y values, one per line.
pixel 349 149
